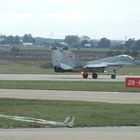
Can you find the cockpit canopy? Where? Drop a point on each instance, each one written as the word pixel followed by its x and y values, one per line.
pixel 126 56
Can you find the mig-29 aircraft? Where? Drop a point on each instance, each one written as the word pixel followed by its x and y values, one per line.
pixel 66 61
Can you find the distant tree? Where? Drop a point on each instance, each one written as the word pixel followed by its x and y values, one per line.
pixel 9 39
pixel 3 39
pixel 137 45
pixel 104 43
pixel 72 40
pixel 83 42
pixel 129 44
pixel 85 37
pixel 28 38
pixel 17 40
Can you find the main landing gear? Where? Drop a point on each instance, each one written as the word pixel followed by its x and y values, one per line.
pixel 85 75
pixel 95 75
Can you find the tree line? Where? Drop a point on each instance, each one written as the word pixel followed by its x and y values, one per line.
pixel 27 38
pixel 73 41
pixel 130 44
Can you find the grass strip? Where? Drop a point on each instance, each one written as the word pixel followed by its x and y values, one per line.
pixel 68 85
pixel 86 113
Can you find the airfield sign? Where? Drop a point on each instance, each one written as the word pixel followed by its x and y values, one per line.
pixel 132 82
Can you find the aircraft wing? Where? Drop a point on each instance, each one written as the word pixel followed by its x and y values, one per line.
pixel 101 66
pixel 95 66
pixel 65 67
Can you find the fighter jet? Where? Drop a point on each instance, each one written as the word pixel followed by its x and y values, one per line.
pixel 66 61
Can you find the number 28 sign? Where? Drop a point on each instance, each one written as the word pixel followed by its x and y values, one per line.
pixel 132 82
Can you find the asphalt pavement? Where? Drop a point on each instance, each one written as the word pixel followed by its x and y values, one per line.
pixel 91 96
pixel 61 77
pixel 94 133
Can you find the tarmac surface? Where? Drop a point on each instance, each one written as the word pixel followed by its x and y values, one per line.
pixel 96 133
pixel 61 77
pixel 91 96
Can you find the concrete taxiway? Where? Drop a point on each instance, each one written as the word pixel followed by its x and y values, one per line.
pixel 91 96
pixel 96 133
pixel 61 77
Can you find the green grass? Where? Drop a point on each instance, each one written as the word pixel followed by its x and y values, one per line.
pixel 86 113
pixel 25 67
pixel 68 85
pixel 129 70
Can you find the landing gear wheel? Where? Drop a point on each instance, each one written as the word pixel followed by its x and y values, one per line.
pixel 94 75
pixel 85 75
pixel 113 76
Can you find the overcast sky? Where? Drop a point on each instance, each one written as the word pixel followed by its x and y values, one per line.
pixel 113 19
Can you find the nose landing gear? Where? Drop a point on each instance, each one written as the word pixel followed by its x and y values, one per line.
pixel 113 76
pixel 85 75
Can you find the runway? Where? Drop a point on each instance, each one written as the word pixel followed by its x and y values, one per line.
pixel 91 96
pixel 96 133
pixel 61 77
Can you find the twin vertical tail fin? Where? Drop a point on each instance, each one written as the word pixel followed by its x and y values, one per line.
pixel 57 56
pixel 63 60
